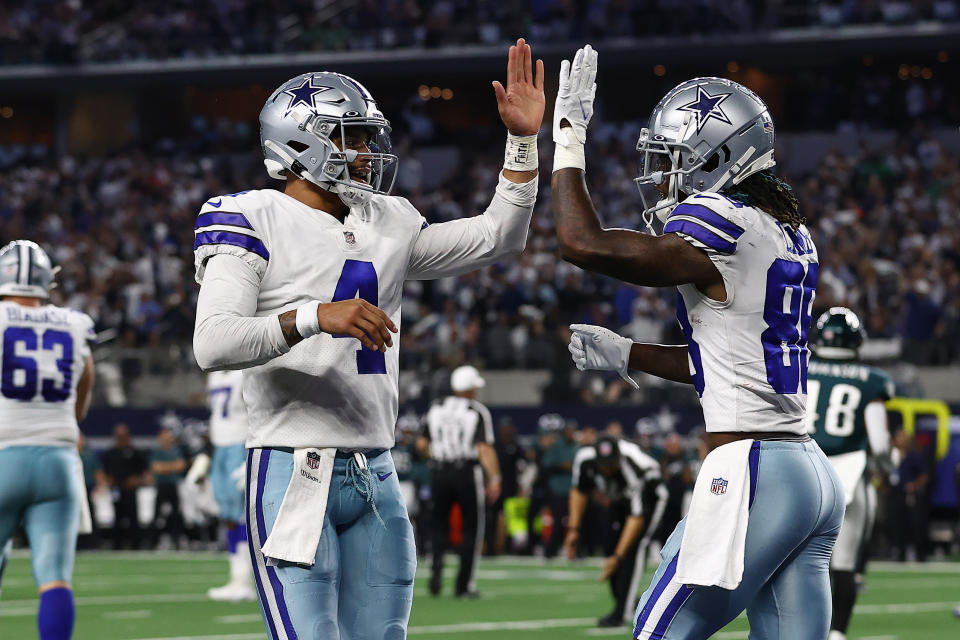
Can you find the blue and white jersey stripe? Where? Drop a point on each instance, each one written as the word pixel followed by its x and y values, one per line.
pixel 706 226
pixel 228 227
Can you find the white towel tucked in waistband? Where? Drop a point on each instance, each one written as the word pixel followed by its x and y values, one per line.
pixel 711 553
pixel 86 521
pixel 296 532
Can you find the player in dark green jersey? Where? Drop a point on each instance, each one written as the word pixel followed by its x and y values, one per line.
pixel 847 417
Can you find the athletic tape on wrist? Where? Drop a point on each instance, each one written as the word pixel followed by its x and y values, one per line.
pixel 521 153
pixel 308 324
pixel 569 156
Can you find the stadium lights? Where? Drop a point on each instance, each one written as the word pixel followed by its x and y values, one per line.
pixel 6 112
pixel 660 70
pixel 433 93
pixel 733 67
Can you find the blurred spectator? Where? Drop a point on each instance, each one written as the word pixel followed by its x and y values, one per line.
pixel 126 468
pixel 167 465
pixel 909 500
pixel 557 463
pixel 512 459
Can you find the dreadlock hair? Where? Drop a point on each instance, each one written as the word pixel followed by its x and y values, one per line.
pixel 763 190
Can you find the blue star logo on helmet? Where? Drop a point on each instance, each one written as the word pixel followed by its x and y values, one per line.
pixel 706 107
pixel 307 93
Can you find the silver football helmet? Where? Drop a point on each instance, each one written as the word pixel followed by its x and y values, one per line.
pixel 300 120
pixel 25 270
pixel 705 135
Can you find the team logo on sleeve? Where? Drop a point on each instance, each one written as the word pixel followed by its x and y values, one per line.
pixel 718 486
pixel 313 459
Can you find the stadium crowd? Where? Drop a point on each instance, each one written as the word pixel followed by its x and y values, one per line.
pixel 121 226
pixel 72 31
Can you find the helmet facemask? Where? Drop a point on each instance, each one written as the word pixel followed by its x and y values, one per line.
pixel 360 138
pixel 662 161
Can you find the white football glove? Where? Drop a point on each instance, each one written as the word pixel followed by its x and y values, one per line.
pixel 575 97
pixel 594 347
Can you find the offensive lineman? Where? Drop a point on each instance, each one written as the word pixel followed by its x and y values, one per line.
pixel 228 433
pixel 323 263
pixel 47 378
pixel 767 504
pixel 846 415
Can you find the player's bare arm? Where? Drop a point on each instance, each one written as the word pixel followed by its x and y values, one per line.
pixel 357 318
pixel 521 103
pixel 600 349
pixel 631 256
pixel 631 531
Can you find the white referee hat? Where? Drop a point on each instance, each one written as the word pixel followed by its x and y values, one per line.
pixel 466 378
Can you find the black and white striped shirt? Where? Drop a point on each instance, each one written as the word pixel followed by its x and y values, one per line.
pixel 455 426
pixel 638 475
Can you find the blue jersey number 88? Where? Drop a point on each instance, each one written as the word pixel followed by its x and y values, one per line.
pixel 27 386
pixel 790 291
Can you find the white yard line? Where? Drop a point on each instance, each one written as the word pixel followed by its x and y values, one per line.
pixel 243 617
pixel 920 607
pixel 228 636
pixel 146 598
pixel 504 625
pixel 127 615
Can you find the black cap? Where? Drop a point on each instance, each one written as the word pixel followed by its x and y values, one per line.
pixel 608 451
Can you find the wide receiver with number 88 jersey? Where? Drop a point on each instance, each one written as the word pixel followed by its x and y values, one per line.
pixel 767 505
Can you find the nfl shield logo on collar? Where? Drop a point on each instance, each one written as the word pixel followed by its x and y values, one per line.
pixel 718 486
pixel 349 237
pixel 313 460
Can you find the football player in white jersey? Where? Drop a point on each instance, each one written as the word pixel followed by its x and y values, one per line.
pixel 301 289
pixel 228 435
pixel 767 505
pixel 45 386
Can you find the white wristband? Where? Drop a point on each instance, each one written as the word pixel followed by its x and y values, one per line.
pixel 521 153
pixel 308 324
pixel 567 156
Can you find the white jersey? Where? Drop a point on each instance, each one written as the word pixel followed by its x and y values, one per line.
pixel 329 391
pixel 228 413
pixel 748 355
pixel 44 351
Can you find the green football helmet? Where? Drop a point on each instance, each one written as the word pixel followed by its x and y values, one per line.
pixel 839 335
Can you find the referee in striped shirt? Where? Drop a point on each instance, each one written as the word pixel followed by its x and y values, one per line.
pixel 630 480
pixel 459 439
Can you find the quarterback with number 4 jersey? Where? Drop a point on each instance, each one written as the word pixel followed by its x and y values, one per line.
pixel 47 377
pixel 847 417
pixel 301 289
pixel 767 504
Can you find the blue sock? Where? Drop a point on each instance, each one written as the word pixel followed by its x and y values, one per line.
pixel 55 617
pixel 235 536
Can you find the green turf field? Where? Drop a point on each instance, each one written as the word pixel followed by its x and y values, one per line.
pixel 127 596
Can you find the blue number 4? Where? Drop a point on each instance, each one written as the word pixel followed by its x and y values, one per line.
pixel 27 389
pixel 790 291
pixel 359 277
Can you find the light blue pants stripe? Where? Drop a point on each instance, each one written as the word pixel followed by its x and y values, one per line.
pixel 40 487
pixel 794 521
pixel 361 584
